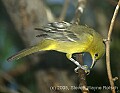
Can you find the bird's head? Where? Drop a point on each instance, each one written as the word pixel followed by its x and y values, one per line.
pixel 97 52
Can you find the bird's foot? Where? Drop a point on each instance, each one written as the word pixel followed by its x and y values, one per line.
pixel 84 67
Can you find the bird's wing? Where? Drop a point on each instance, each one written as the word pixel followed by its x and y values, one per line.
pixel 62 31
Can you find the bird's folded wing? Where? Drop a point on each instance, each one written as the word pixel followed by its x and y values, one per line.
pixel 66 32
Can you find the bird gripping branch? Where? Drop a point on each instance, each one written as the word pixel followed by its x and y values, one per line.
pixel 67 38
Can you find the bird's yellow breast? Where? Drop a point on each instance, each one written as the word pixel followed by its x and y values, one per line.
pixel 70 47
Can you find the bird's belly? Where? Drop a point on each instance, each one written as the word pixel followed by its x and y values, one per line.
pixel 69 47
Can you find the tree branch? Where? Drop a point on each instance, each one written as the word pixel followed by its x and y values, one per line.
pixel 81 73
pixel 79 11
pixel 108 48
pixel 64 10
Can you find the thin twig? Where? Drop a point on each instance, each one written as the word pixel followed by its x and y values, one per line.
pixel 64 10
pixel 108 48
pixel 79 11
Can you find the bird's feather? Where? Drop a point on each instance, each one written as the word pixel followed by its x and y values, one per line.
pixel 62 31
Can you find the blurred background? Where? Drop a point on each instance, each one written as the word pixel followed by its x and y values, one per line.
pixel 41 72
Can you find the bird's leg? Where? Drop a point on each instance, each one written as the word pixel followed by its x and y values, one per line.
pixel 84 67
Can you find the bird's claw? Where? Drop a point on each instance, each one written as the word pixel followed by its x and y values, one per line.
pixel 84 67
pixel 87 72
pixel 76 69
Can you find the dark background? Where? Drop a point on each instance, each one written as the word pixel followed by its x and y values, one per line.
pixel 38 72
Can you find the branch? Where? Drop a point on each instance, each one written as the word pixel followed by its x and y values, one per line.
pixel 81 73
pixel 108 48
pixel 64 10
pixel 79 11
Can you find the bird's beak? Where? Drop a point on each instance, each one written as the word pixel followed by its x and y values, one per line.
pixel 93 63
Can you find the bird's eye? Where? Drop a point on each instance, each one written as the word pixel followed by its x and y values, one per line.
pixel 96 55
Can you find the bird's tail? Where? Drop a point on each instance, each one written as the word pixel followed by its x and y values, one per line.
pixel 24 53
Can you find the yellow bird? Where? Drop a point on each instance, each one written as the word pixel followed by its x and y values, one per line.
pixel 67 38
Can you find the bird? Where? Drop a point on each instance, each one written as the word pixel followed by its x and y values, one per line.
pixel 68 38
